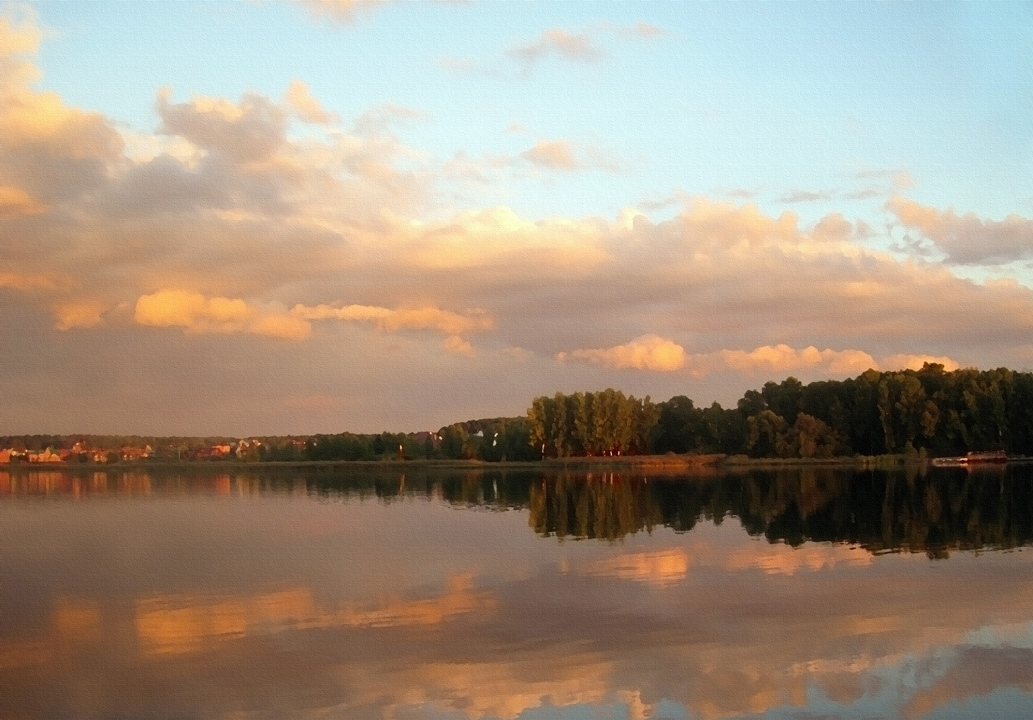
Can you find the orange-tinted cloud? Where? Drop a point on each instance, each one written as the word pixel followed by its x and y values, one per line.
pixel 232 198
pixel 647 352
pixel 186 624
pixel 196 313
pixel 79 314
pixel 552 154
pixel 26 281
pixel 780 359
pixel 786 560
pixel 15 201
pixel 48 150
pixel 422 318
pixel 660 568
pixel 651 352
pixel 561 155
pixel 306 107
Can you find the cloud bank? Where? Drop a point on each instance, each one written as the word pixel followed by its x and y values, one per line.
pixel 278 222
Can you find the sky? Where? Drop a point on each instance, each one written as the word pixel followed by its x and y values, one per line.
pixel 258 217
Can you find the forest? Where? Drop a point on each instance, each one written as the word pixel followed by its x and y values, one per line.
pixel 929 412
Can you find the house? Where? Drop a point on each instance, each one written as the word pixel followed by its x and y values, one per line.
pixel 135 453
pixel 47 456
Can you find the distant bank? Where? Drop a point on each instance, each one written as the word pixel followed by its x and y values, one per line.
pixel 668 462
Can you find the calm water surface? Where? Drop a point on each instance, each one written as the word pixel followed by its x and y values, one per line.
pixel 445 595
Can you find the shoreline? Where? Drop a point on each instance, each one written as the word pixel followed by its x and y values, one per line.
pixel 669 462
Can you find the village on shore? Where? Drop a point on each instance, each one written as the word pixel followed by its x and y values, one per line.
pixel 959 417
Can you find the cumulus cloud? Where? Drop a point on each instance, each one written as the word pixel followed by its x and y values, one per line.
pixel 967 239
pixel 250 131
pixel 648 352
pixel 48 150
pixel 227 216
pixel 498 248
pixel 781 359
pixel 651 352
pixel 305 106
pixel 79 314
pixel 199 314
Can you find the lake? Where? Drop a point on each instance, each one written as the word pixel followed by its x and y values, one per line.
pixel 348 592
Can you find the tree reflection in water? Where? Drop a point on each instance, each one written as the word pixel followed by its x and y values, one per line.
pixel 927 510
pixel 331 592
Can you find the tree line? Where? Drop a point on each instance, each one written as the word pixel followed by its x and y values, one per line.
pixel 489 439
pixel 594 423
pixel 929 411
